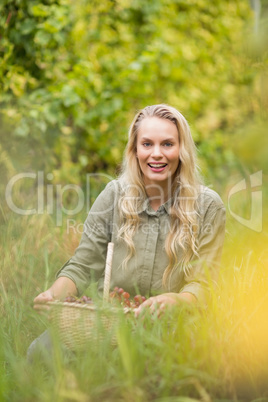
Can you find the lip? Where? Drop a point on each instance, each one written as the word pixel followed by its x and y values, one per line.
pixel 155 169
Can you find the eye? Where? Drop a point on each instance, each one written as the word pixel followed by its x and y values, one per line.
pixel 168 144
pixel 146 144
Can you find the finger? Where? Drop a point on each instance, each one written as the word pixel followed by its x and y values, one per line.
pixel 147 303
pixel 162 306
pixel 42 298
pixel 139 310
pixel 161 309
pixel 158 308
pixel 154 307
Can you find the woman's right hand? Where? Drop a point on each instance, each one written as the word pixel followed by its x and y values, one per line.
pixel 61 288
pixel 41 300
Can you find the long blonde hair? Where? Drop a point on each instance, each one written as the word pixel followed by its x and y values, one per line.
pixel 185 189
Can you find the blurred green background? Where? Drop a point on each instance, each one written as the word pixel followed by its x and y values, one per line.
pixel 72 76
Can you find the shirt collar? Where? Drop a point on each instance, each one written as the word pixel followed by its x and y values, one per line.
pixel 146 207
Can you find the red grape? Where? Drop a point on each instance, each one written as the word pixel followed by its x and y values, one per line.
pixel 138 299
pixel 118 295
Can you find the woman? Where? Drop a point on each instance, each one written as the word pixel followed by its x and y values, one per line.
pixel 167 228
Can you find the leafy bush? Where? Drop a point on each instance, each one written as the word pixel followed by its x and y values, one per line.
pixel 73 74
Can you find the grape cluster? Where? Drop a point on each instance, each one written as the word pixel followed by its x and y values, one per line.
pixel 119 296
pixel 81 300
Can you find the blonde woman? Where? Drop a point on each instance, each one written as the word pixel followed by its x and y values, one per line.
pixel 167 228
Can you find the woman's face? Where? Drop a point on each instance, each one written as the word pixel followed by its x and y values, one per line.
pixel 158 150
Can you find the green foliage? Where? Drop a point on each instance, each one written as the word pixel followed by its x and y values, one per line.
pixel 214 354
pixel 73 74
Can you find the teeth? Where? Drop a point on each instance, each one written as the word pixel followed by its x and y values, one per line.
pixel 157 165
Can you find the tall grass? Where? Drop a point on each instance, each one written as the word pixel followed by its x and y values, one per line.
pixel 219 353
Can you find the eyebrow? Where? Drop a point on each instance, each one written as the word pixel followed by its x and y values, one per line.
pixel 149 139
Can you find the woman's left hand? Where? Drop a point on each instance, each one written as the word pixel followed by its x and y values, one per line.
pixel 161 302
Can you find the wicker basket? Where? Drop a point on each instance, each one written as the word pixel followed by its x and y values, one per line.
pixel 78 324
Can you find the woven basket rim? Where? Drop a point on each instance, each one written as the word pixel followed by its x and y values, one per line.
pixel 58 303
pixel 106 307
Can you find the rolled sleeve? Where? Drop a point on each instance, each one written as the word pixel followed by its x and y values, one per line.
pixel 88 262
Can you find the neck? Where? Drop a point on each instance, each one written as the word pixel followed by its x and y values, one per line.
pixel 158 193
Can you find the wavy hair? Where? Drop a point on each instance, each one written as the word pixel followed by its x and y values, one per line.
pixel 184 192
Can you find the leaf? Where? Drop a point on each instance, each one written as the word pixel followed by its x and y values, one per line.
pixel 42 38
pixel 40 10
pixel 27 26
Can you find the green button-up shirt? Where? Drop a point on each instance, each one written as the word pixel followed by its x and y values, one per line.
pixel 144 271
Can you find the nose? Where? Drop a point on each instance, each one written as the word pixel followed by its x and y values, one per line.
pixel 156 152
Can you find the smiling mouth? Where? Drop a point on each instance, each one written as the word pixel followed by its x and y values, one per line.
pixel 157 165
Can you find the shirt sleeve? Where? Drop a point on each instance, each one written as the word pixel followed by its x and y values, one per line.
pixel 88 262
pixel 203 271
